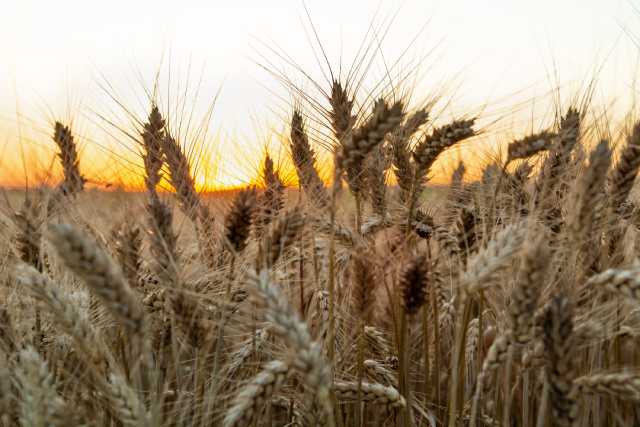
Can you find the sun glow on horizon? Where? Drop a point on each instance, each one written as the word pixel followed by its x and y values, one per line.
pixel 99 65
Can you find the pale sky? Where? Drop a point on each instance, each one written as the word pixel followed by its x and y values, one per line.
pixel 56 58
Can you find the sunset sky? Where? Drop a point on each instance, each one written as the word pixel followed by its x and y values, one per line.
pixel 79 59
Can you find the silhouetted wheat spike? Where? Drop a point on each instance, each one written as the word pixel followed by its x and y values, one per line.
pixel 430 147
pixel 152 138
pixel 529 145
pixel 181 179
pixel 304 160
pixel 239 218
pixel 621 183
pixel 414 283
pixel 560 370
pixel 189 202
pixel 467 232
pixel 160 229
pixel 73 181
pixel 556 163
pixel 357 146
pixel 457 177
pixel 399 140
pixel 625 171
pixel 457 195
pixel 341 116
pixel 272 200
pixel 570 129
pixel 411 124
pixel 402 167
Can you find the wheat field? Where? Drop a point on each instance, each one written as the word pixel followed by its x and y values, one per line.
pixel 372 298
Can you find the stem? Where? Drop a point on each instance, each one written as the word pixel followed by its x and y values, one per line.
pixel 331 281
pixel 477 396
pixel 316 265
pixel 425 339
pixel 230 276
pixel 223 317
pixel 360 371
pixel 358 200
pixel 489 225
pixel 542 410
pixel 331 289
pixel 405 389
pixel 436 346
pixel 480 355
pixel 413 196
pixel 301 277
pixel 458 361
pixel 526 379
pixel 506 411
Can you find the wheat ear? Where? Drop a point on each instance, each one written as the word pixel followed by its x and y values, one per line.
pixel 308 354
pixel 560 368
pixel 101 274
pixel 626 169
pixel 272 200
pixel 529 146
pixel 40 404
pixel 73 181
pixel 304 160
pixel 263 387
pixel 377 394
pixel 181 179
pixel 622 385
